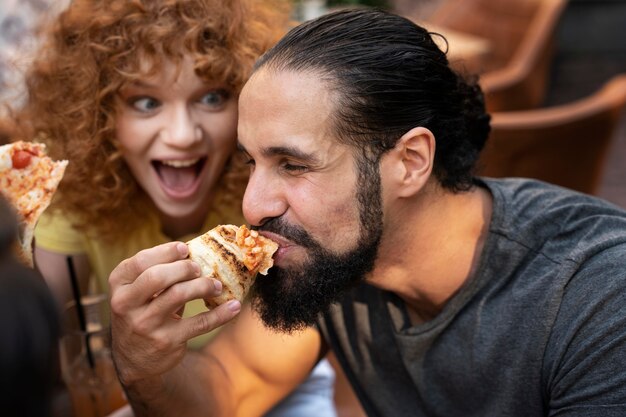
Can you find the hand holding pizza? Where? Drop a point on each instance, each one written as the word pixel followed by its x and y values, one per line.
pixel 148 292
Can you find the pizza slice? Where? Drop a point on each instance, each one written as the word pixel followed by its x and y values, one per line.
pixel 233 255
pixel 28 180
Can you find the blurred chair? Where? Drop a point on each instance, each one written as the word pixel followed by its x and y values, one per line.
pixel 566 145
pixel 521 35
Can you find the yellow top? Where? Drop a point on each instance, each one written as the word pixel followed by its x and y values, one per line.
pixel 54 233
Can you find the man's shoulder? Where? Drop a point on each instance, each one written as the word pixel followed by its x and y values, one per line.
pixel 588 335
pixel 526 194
pixel 554 221
pixel 603 271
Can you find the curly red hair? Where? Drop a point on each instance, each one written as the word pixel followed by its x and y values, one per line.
pixel 96 47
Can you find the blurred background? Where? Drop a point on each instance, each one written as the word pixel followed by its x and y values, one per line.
pixel 553 73
pixel 591 49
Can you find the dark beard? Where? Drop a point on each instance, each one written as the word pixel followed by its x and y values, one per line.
pixel 291 299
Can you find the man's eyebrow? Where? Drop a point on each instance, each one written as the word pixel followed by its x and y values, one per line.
pixel 284 151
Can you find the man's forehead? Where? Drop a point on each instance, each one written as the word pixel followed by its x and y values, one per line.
pixel 309 147
pixel 286 87
pixel 314 148
pixel 285 109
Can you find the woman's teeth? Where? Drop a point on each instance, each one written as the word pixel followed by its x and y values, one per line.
pixel 181 163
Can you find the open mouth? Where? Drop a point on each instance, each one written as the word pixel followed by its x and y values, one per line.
pixel 179 175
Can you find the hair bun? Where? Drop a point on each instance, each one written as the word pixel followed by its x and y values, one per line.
pixel 474 112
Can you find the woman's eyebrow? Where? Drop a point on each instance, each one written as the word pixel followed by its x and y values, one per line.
pixel 141 84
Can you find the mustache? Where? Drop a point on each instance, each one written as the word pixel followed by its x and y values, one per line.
pixel 294 233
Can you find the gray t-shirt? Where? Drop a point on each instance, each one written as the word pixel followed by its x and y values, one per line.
pixel 540 330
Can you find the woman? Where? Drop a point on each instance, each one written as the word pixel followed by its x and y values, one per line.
pixel 141 98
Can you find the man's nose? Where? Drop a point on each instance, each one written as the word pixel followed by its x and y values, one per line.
pixel 181 130
pixel 264 198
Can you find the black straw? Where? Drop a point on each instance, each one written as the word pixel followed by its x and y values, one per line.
pixel 79 309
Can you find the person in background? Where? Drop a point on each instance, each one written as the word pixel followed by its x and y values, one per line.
pixel 441 293
pixel 141 98
pixel 30 328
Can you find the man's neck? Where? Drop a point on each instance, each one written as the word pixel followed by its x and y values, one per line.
pixel 431 248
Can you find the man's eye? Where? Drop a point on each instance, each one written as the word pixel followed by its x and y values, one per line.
pixel 144 104
pixel 294 167
pixel 214 98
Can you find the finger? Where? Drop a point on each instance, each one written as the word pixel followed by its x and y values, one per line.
pixel 152 282
pixel 176 296
pixel 158 278
pixel 209 320
pixel 128 270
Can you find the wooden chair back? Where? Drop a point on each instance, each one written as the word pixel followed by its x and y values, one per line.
pixel 566 145
pixel 521 36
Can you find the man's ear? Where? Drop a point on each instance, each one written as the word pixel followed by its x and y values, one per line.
pixel 411 161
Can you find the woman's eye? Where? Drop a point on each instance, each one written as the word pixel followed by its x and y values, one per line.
pixel 144 104
pixel 214 98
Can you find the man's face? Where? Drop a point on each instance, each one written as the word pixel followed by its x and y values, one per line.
pixel 316 197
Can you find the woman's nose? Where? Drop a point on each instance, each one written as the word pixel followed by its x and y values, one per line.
pixel 181 130
pixel 263 199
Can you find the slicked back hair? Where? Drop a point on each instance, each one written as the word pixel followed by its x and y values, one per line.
pixel 388 76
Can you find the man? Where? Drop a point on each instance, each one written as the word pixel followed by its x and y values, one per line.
pixel 441 294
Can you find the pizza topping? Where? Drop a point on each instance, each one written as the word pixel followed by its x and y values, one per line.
pixel 21 159
pixel 252 244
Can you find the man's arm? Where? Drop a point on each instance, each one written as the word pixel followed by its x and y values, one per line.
pixel 263 366
pixel 244 371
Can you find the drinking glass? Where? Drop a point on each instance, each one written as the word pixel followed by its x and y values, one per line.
pixel 86 362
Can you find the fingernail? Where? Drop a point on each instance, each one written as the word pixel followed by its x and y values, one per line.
pixel 233 305
pixel 218 285
pixel 182 249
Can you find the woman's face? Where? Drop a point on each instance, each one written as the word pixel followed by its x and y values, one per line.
pixel 176 133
